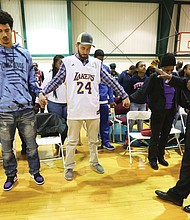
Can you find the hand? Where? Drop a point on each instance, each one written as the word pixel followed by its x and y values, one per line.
pixel 112 104
pixel 36 108
pixel 188 84
pixel 163 75
pixel 155 63
pixel 126 103
pixel 43 100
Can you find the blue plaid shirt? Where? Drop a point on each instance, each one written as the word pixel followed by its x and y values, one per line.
pixel 104 75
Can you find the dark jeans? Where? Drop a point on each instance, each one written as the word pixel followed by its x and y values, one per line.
pixel 61 110
pixel 104 124
pixel 25 121
pixel 58 108
pixel 161 124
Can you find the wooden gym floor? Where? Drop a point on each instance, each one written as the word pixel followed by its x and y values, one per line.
pixel 123 192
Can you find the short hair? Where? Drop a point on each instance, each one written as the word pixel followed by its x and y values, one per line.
pixel 112 66
pixel 99 52
pixel 35 64
pixel 5 18
pixel 132 67
pixel 168 60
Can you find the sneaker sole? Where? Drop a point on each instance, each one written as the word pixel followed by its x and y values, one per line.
pixel 36 181
pixel 15 179
pixel 68 179
pixel 109 148
pixel 93 168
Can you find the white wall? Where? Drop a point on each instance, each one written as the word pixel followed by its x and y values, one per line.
pixel 117 27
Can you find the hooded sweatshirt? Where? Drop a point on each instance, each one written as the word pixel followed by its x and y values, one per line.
pixel 17 79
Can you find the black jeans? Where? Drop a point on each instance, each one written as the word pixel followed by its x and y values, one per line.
pixel 161 124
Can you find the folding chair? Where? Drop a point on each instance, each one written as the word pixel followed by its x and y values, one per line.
pixel 183 116
pixel 119 116
pixel 176 132
pixel 111 124
pixel 50 127
pixel 134 135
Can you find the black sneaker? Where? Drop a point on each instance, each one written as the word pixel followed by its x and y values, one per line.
pixel 9 183
pixel 38 178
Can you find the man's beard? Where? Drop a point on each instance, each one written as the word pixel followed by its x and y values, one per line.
pixel 83 57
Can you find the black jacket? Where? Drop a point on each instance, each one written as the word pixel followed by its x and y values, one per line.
pixel 50 124
pixel 153 89
pixel 183 94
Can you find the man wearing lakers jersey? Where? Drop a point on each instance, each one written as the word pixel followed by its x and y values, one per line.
pixel 82 75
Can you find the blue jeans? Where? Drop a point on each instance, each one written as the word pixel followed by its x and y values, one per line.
pixel 58 108
pixel 25 122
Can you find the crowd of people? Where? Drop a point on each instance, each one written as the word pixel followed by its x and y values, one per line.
pixel 82 88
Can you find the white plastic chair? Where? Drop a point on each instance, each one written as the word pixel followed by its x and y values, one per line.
pixel 133 135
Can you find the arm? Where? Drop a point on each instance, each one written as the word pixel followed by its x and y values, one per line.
pixel 177 82
pixel 174 81
pixel 35 89
pixel 32 82
pixel 42 76
pixel 57 80
pixel 111 98
pixel 120 79
pixel 52 85
pixel 111 82
pixel 110 95
pixel 144 90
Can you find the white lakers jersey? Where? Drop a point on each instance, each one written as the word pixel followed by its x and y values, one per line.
pixel 82 83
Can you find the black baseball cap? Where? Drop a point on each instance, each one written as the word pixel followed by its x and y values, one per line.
pixel 85 39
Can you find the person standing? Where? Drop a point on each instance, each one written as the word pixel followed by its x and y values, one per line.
pixel 39 74
pixel 163 105
pixel 17 79
pixel 114 73
pixel 125 76
pixel 40 78
pixel 82 74
pixel 57 99
pixel 106 96
pixel 136 82
pixel 181 190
